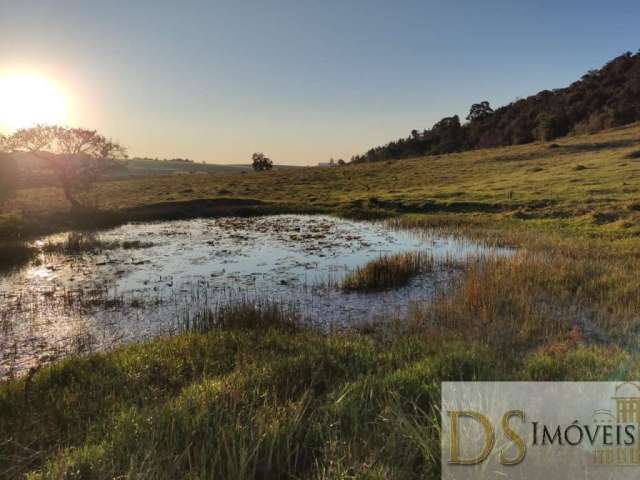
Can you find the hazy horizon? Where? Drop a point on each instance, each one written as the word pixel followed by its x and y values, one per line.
pixel 300 82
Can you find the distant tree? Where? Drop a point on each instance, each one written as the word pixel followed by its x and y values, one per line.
pixel 75 156
pixel 479 111
pixel 341 162
pixel 260 162
pixel 332 162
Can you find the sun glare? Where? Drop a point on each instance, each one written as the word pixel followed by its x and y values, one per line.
pixel 27 100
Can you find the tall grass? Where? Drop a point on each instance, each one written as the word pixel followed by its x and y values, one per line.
pixel 244 314
pixel 233 404
pixel 540 295
pixel 77 243
pixel 388 271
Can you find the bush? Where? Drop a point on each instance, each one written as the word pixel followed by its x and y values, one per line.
pixel 261 162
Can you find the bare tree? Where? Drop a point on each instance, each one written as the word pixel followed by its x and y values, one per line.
pixel 76 156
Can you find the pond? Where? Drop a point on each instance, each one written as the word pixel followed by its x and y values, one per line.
pixel 168 271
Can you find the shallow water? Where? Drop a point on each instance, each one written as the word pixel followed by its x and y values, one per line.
pixel 80 303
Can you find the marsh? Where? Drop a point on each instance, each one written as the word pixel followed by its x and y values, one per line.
pixel 94 291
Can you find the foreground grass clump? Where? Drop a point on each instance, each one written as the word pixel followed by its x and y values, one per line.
pixel 258 404
pixel 388 271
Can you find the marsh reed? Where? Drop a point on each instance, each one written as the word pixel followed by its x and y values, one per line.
pixel 243 313
pixel 388 271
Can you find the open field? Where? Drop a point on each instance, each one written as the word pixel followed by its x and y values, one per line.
pixel 250 394
pixel 144 167
pixel 589 182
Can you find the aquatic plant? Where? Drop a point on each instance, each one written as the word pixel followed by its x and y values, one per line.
pixel 87 242
pixel 388 271
pixel 15 254
pixel 244 314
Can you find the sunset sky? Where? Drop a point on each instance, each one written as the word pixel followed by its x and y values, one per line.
pixel 301 81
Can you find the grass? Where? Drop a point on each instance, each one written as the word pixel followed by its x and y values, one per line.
pixel 388 271
pixel 246 392
pixel 526 182
pixel 81 242
pixel 244 313
pixel 258 404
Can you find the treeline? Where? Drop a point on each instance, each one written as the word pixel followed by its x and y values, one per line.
pixel 601 99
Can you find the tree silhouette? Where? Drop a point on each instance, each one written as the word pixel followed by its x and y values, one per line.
pixel 75 156
pixel 604 98
pixel 261 162
pixel 479 111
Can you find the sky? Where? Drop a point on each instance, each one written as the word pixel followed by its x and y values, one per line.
pixel 299 80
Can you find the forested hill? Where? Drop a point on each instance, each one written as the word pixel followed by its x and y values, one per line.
pixel 601 99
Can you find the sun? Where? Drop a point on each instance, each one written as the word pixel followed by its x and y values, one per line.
pixel 29 99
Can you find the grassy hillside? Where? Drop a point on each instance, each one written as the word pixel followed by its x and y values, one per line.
pixel 591 181
pixel 275 401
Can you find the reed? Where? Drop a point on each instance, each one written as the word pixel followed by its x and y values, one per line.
pixel 15 254
pixel 77 243
pixel 244 314
pixel 388 271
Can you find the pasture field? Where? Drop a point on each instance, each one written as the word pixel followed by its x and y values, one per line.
pixel 250 392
